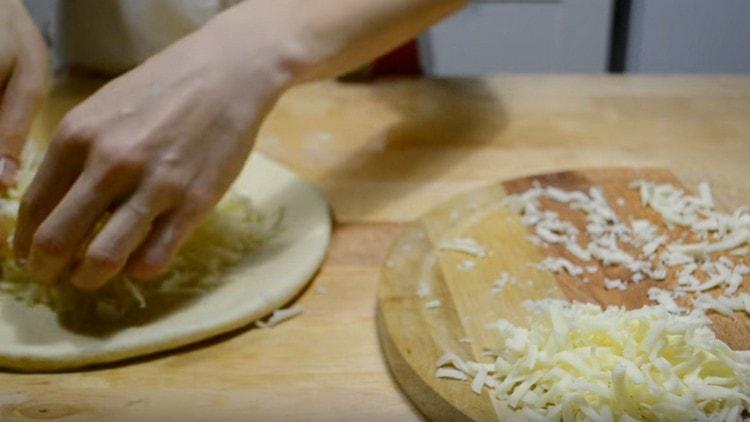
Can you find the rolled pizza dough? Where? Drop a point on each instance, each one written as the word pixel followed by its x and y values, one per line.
pixel 31 339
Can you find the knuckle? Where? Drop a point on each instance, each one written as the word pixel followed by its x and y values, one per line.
pixel 169 186
pixel 198 201
pixel 141 208
pixel 49 242
pixel 117 160
pixel 68 127
pixel 72 132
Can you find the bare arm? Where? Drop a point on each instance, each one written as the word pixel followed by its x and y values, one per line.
pixel 322 39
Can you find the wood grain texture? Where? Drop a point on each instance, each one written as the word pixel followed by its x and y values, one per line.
pixel 415 336
pixel 386 153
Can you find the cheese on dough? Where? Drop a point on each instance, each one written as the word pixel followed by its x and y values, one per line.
pixel 227 234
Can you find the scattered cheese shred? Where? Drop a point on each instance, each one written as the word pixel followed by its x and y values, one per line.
pixel 467 265
pixel 556 264
pixel 450 374
pixel 279 316
pixel 614 284
pixel 432 304
pixel 424 289
pixel 136 292
pixel 502 281
pixel 465 245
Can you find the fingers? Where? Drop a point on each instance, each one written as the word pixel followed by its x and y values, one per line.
pixel 131 223
pixel 152 259
pixel 107 254
pixel 23 94
pixel 61 234
pixel 57 173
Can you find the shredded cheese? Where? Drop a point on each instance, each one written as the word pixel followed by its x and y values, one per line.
pixel 614 284
pixel 660 362
pixel 712 237
pixel 227 234
pixel 279 316
pixel 579 362
pixel 467 265
pixel 502 281
pixel 435 303
pixel 423 289
pixel 466 245
pixel 557 265
pixel 450 374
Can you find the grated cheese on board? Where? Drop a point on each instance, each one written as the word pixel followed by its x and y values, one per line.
pixel 700 258
pixel 660 362
pixel 432 304
pixel 579 362
pixel 466 245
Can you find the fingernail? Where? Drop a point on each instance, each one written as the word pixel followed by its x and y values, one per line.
pixel 84 279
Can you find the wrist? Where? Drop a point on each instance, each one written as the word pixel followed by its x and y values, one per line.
pixel 250 53
pixel 266 37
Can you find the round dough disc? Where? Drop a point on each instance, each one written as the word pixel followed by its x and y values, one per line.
pixel 31 339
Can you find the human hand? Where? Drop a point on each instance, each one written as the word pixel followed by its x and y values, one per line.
pixel 23 73
pixel 153 150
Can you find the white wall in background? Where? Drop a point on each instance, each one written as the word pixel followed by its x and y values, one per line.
pixel 521 36
pixel 43 12
pixel 689 36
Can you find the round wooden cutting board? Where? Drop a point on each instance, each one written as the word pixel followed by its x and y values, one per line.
pixel 414 335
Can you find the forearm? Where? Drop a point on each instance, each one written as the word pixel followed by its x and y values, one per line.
pixel 313 40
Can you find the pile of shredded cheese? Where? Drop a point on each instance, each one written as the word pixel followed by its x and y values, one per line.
pixel 579 362
pixel 227 234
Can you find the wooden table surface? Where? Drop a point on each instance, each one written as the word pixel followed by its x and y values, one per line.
pixel 384 153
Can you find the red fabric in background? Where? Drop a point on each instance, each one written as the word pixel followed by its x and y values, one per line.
pixel 402 61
